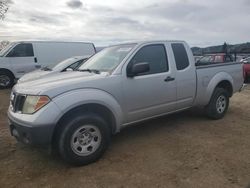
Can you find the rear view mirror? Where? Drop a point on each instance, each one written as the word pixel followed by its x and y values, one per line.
pixel 138 69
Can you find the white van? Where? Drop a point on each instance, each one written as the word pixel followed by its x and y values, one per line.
pixel 19 58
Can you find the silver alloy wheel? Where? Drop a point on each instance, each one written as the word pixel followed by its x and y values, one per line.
pixel 221 104
pixel 86 140
pixel 4 80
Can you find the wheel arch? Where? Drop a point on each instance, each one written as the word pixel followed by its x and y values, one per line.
pixel 225 84
pixel 95 108
pixel 221 80
pixel 9 71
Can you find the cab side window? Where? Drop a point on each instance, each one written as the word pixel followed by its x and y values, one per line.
pixel 22 50
pixel 155 55
pixel 180 55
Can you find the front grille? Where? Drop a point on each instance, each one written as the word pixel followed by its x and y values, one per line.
pixel 17 102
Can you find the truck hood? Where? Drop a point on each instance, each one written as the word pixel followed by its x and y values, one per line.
pixel 34 75
pixel 58 83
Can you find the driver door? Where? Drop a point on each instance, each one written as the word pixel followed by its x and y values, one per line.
pixel 22 59
pixel 154 92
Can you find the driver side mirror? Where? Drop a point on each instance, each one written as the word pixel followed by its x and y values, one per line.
pixel 138 69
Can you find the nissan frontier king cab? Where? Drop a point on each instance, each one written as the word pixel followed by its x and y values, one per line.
pixel 77 112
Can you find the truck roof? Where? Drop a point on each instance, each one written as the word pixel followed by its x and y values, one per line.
pixel 155 41
pixel 148 41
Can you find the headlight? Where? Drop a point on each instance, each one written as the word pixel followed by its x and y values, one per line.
pixel 34 103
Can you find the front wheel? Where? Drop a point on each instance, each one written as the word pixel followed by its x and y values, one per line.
pixel 6 80
pixel 83 139
pixel 218 105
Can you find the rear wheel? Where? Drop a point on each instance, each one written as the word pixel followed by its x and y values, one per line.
pixel 83 139
pixel 218 105
pixel 6 79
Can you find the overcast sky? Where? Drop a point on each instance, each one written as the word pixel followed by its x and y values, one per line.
pixel 200 23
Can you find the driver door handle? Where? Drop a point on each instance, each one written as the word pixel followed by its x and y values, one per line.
pixel 169 78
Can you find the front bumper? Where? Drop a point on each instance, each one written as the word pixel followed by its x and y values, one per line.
pixel 36 136
pixel 35 129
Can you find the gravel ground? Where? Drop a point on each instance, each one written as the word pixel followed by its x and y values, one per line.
pixel 181 150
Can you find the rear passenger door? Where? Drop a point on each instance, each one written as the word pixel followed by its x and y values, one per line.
pixel 21 58
pixel 151 93
pixel 185 75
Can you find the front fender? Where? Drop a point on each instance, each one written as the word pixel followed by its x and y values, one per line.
pixel 4 63
pixel 75 98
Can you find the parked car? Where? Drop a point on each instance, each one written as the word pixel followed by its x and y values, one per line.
pixel 246 68
pixel 244 57
pixel 70 64
pixel 215 58
pixel 77 113
pixel 197 58
pixel 19 58
pixel 240 58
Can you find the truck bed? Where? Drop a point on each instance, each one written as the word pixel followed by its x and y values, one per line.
pixel 208 76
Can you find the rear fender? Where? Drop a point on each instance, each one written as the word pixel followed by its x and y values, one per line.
pixel 219 77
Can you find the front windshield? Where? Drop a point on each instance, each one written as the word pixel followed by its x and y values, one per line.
pixel 6 49
pixel 107 59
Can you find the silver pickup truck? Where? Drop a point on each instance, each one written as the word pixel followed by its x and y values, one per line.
pixel 77 112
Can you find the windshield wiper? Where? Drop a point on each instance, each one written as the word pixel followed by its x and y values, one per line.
pixel 89 70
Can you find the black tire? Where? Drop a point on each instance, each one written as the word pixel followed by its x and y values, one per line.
pixel 64 141
pixel 4 84
pixel 214 112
